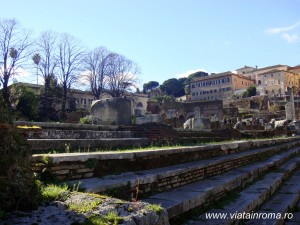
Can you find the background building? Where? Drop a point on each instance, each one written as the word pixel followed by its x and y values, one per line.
pixel 219 86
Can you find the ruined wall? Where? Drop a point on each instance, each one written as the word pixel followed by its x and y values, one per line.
pixel 185 110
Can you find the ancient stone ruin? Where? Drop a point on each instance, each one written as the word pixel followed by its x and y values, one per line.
pixel 112 111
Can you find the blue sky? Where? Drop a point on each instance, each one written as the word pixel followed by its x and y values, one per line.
pixel 167 38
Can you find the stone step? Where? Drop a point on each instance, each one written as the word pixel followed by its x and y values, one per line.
pixel 167 178
pixel 253 197
pixel 46 145
pixel 296 216
pixel 86 164
pixel 199 194
pixel 284 200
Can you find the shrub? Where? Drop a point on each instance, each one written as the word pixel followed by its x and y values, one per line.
pixel 85 120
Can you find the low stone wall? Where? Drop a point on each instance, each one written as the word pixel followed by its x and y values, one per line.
pixel 83 165
pixel 85 145
pixel 78 134
pixel 66 126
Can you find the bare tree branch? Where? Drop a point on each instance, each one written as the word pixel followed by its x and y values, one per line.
pixel 122 74
pixel 47 50
pixel 96 65
pixel 14 46
pixel 70 55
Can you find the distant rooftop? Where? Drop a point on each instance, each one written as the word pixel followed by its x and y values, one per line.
pixel 216 75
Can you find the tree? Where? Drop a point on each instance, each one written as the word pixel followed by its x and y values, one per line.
pixel 150 86
pixel 172 87
pixel 24 101
pixel 251 91
pixel 121 74
pixel 45 57
pixel 18 188
pixel 96 62
pixel 36 59
pixel 14 43
pixel 70 54
pixel 50 100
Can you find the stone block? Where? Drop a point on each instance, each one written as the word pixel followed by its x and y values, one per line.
pixel 84 170
pixel 88 175
pixel 152 118
pixel 61 172
pixel 113 111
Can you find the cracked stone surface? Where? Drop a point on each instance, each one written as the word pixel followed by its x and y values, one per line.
pixel 59 212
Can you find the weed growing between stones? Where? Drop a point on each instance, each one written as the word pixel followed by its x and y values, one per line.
pixel 113 217
pixel 83 207
pixel 110 218
pixel 154 207
pixel 53 192
pixel 95 220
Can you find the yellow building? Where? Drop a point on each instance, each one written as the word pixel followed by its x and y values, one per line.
pixel 254 72
pixel 274 83
pixel 219 86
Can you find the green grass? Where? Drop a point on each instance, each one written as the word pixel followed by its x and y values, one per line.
pixel 110 218
pixel 154 207
pixel 84 207
pixel 95 220
pixel 53 192
pixel 113 218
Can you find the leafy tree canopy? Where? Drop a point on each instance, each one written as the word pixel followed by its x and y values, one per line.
pixel 173 87
pixel 251 91
pixel 150 86
pixel 24 101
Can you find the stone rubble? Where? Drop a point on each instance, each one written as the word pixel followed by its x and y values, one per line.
pixel 57 212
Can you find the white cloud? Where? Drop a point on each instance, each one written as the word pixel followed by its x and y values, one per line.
pixel 283 29
pixel 285 32
pixel 290 38
pixel 187 73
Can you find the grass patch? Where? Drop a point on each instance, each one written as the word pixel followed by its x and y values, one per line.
pixel 95 220
pixel 154 207
pixel 114 218
pixel 84 207
pixel 110 218
pixel 53 192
